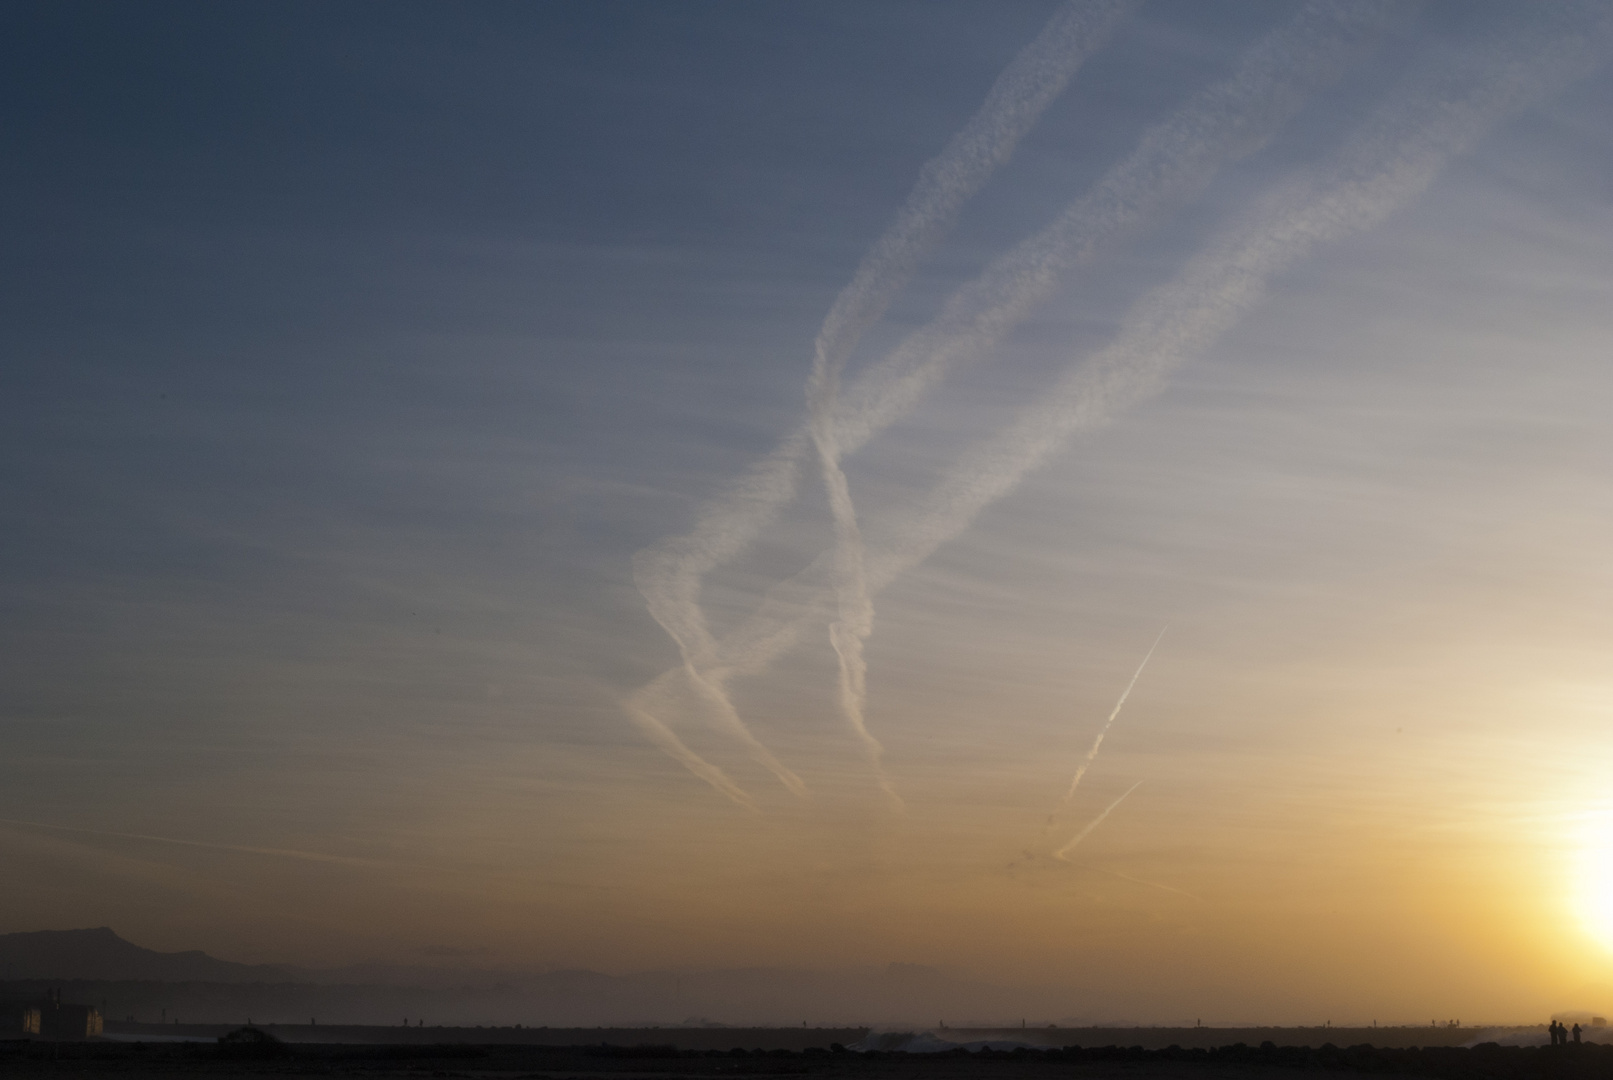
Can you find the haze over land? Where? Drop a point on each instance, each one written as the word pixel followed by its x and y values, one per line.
pixel 689 488
pixel 130 983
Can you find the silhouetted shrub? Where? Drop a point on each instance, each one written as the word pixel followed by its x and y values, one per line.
pixel 251 1042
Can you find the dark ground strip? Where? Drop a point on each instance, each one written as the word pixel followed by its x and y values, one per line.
pixel 505 1062
pixel 802 1038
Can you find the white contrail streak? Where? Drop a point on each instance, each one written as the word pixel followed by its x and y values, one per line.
pixel 1029 84
pixel 1440 115
pixel 1391 162
pixel 1017 99
pixel 664 737
pixel 1092 754
pixel 669 574
pixel 771 630
pixel 1063 852
pixel 1174 160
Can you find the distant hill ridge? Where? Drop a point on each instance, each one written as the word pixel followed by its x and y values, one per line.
pixel 101 954
pixel 143 983
pixel 134 982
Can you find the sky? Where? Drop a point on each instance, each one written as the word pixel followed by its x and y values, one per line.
pixel 685 486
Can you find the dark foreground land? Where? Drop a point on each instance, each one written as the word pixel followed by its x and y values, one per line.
pixel 464 1061
pixel 804 1038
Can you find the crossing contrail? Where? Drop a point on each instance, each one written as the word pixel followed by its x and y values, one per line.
pixel 1174 160
pixel 669 574
pixel 1092 754
pixel 1063 852
pixel 1450 105
pixel 1025 89
pixel 1439 113
pixel 657 731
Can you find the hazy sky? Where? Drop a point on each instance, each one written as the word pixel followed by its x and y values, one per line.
pixel 416 503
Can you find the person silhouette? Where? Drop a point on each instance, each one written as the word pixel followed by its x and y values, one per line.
pixel 1576 1034
pixel 1552 1028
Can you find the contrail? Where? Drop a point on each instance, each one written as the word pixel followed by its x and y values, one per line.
pixel 1017 99
pixel 1029 84
pixel 1064 851
pixel 1315 46
pixel 1449 106
pixel 775 627
pixel 668 575
pixel 283 853
pixel 675 748
pixel 1092 754
pixel 1174 160
pixel 1387 165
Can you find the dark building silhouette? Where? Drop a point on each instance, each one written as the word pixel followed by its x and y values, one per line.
pixel 51 1018
pixel 18 1020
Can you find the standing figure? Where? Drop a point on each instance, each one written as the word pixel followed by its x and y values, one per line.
pixel 1576 1034
pixel 1552 1028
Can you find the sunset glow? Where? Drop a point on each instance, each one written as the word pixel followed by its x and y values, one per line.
pixel 1105 504
pixel 1595 879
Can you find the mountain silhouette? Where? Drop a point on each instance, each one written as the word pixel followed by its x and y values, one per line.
pixel 142 982
pixel 101 954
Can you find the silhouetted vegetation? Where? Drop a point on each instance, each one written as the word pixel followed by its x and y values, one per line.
pixel 250 1042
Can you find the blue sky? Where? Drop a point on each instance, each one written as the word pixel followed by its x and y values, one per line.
pixel 354 352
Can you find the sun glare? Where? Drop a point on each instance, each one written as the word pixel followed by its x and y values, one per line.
pixel 1596 879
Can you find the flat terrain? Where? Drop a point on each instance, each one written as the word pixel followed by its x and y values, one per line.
pixel 161 1061
pixel 804 1038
